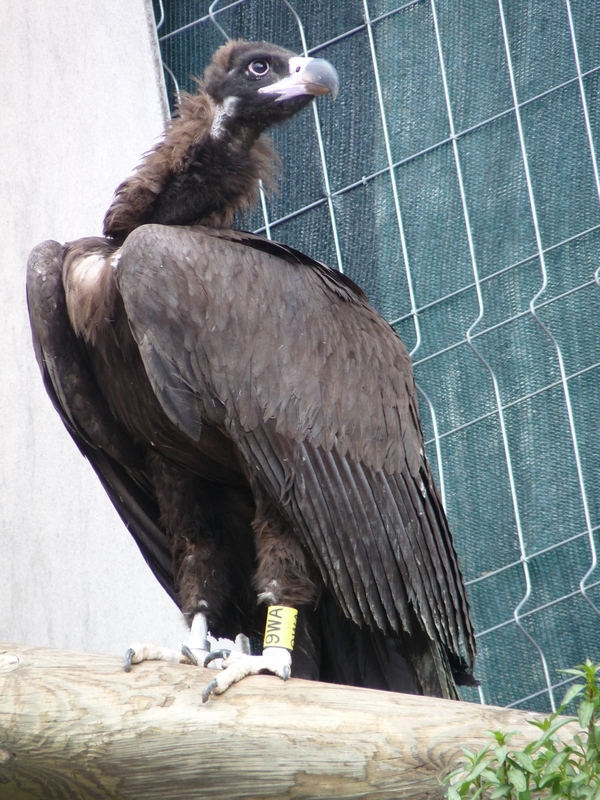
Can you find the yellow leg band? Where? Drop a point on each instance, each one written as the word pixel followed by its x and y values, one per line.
pixel 280 629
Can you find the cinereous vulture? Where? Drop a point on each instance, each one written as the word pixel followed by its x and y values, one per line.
pixel 252 418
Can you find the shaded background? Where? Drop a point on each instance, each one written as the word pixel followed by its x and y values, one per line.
pixel 456 182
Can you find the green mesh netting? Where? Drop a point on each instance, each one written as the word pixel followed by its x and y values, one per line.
pixel 492 216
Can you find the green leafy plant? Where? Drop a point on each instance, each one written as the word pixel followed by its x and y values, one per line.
pixel 546 768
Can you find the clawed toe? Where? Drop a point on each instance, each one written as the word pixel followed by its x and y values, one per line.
pixel 215 654
pixel 128 659
pixel 210 687
pixel 187 652
pixel 149 652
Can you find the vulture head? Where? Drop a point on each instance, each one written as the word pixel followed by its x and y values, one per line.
pixel 257 84
pixel 213 155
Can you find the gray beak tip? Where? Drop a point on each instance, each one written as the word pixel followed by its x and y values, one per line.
pixel 322 74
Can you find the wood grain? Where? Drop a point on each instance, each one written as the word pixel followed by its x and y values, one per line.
pixel 75 725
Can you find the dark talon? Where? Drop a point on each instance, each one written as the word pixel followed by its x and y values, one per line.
pixel 216 654
pixel 185 650
pixel 128 660
pixel 286 672
pixel 206 693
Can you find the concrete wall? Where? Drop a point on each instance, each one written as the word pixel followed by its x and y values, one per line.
pixel 81 98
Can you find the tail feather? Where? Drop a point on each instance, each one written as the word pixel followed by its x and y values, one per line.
pixel 330 647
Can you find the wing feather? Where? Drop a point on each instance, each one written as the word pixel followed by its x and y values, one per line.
pixel 329 555
pixel 72 387
pixel 338 496
pixel 430 595
pixel 364 519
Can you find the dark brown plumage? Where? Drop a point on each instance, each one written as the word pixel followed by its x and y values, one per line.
pixel 252 418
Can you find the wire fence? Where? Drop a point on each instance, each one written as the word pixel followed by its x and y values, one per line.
pixel 456 180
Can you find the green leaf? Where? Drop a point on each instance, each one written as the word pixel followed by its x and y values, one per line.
pixel 552 730
pixel 501 737
pixel 585 791
pixel 547 767
pixel 490 776
pixel 501 791
pixel 478 793
pixel 478 769
pixel 500 753
pixel 572 692
pixel 524 760
pixel 579 778
pixel 451 775
pixel 548 779
pixel 585 711
pixel 542 724
pixel 517 778
pixel 556 762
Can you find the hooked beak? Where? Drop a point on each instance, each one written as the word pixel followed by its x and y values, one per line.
pixel 308 76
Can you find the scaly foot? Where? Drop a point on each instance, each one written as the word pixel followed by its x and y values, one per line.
pixel 237 665
pixel 194 651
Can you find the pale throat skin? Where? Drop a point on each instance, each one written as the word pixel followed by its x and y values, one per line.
pixel 223 111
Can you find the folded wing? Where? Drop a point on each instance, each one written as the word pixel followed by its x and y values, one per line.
pixel 315 389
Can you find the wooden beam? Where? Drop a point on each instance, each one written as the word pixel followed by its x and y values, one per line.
pixel 75 725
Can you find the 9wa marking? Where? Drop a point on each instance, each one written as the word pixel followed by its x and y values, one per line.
pixel 280 630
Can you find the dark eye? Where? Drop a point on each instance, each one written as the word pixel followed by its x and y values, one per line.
pixel 259 67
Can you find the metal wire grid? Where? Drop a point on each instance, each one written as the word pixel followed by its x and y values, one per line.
pixel 528 557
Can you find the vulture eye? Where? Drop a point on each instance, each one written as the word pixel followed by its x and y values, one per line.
pixel 259 67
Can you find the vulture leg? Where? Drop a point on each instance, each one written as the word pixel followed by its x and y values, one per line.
pixel 197 646
pixel 210 539
pixel 283 577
